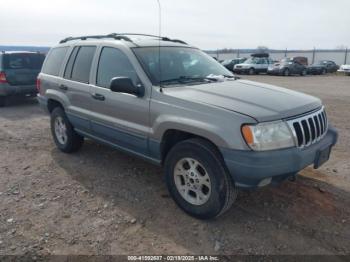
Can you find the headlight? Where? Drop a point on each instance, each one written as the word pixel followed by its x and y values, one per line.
pixel 268 136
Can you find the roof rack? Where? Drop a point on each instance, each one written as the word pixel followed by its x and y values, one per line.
pixel 115 36
pixel 122 36
pixel 164 38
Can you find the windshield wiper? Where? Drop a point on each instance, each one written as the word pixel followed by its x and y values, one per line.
pixel 188 79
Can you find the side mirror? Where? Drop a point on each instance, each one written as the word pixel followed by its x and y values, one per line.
pixel 125 85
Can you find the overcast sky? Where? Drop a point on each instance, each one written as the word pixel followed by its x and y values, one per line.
pixel 207 24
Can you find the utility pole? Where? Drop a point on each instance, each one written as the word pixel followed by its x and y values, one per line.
pixel 237 53
pixel 285 53
pixel 346 55
pixel 313 55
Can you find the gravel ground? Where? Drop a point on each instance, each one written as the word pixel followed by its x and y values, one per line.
pixel 100 201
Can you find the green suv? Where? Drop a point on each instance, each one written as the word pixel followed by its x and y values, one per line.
pixel 18 73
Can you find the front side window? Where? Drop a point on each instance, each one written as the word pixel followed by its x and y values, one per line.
pixel 82 65
pixel 114 63
pixel 54 61
pixel 178 63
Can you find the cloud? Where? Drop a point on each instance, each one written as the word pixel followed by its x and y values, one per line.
pixel 207 24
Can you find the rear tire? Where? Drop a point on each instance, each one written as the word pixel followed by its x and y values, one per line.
pixel 66 139
pixel 251 71
pixel 198 180
pixel 286 72
pixel 303 72
pixel 2 101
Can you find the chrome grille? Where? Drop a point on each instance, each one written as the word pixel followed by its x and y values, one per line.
pixel 310 128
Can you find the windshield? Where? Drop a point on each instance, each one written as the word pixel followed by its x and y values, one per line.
pixel 286 60
pixel 226 62
pixel 252 60
pixel 178 63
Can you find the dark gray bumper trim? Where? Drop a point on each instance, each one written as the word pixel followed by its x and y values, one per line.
pixel 248 168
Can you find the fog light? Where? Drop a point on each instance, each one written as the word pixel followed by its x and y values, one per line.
pixel 265 182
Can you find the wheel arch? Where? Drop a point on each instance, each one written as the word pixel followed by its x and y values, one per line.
pixel 52 104
pixel 171 137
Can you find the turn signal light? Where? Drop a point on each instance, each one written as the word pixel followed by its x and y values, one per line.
pixel 38 85
pixel 247 134
pixel 3 79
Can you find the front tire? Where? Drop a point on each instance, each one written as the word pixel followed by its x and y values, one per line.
pixel 303 72
pixel 251 71
pixel 66 139
pixel 198 180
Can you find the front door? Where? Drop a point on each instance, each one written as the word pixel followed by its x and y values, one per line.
pixel 118 118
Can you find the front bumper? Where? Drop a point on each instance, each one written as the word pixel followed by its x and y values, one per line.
pixel 249 168
pixel 314 70
pixel 9 90
pixel 344 71
pixel 275 71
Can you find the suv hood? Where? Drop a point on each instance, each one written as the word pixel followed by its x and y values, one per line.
pixel 262 102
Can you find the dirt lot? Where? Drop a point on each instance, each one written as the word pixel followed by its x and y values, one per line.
pixel 100 201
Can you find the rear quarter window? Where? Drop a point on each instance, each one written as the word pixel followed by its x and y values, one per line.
pixel 54 61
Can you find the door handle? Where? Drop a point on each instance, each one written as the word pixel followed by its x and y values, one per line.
pixel 63 87
pixel 98 96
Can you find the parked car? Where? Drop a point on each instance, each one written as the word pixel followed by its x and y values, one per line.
pixel 287 67
pixel 18 73
pixel 345 69
pixel 254 65
pixel 230 63
pixel 212 132
pixel 322 67
pixel 301 60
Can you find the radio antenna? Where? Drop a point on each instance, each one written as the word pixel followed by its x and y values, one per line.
pixel 160 37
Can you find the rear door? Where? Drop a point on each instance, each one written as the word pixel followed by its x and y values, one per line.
pixel 76 85
pixel 22 68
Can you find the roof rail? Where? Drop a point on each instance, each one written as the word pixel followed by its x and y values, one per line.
pixel 164 38
pixel 121 36
pixel 115 36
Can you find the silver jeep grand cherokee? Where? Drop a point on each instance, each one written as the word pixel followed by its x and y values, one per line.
pixel 171 104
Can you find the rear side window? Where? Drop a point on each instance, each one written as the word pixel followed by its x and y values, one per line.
pixel 23 61
pixel 69 66
pixel 114 63
pixel 82 64
pixel 54 61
